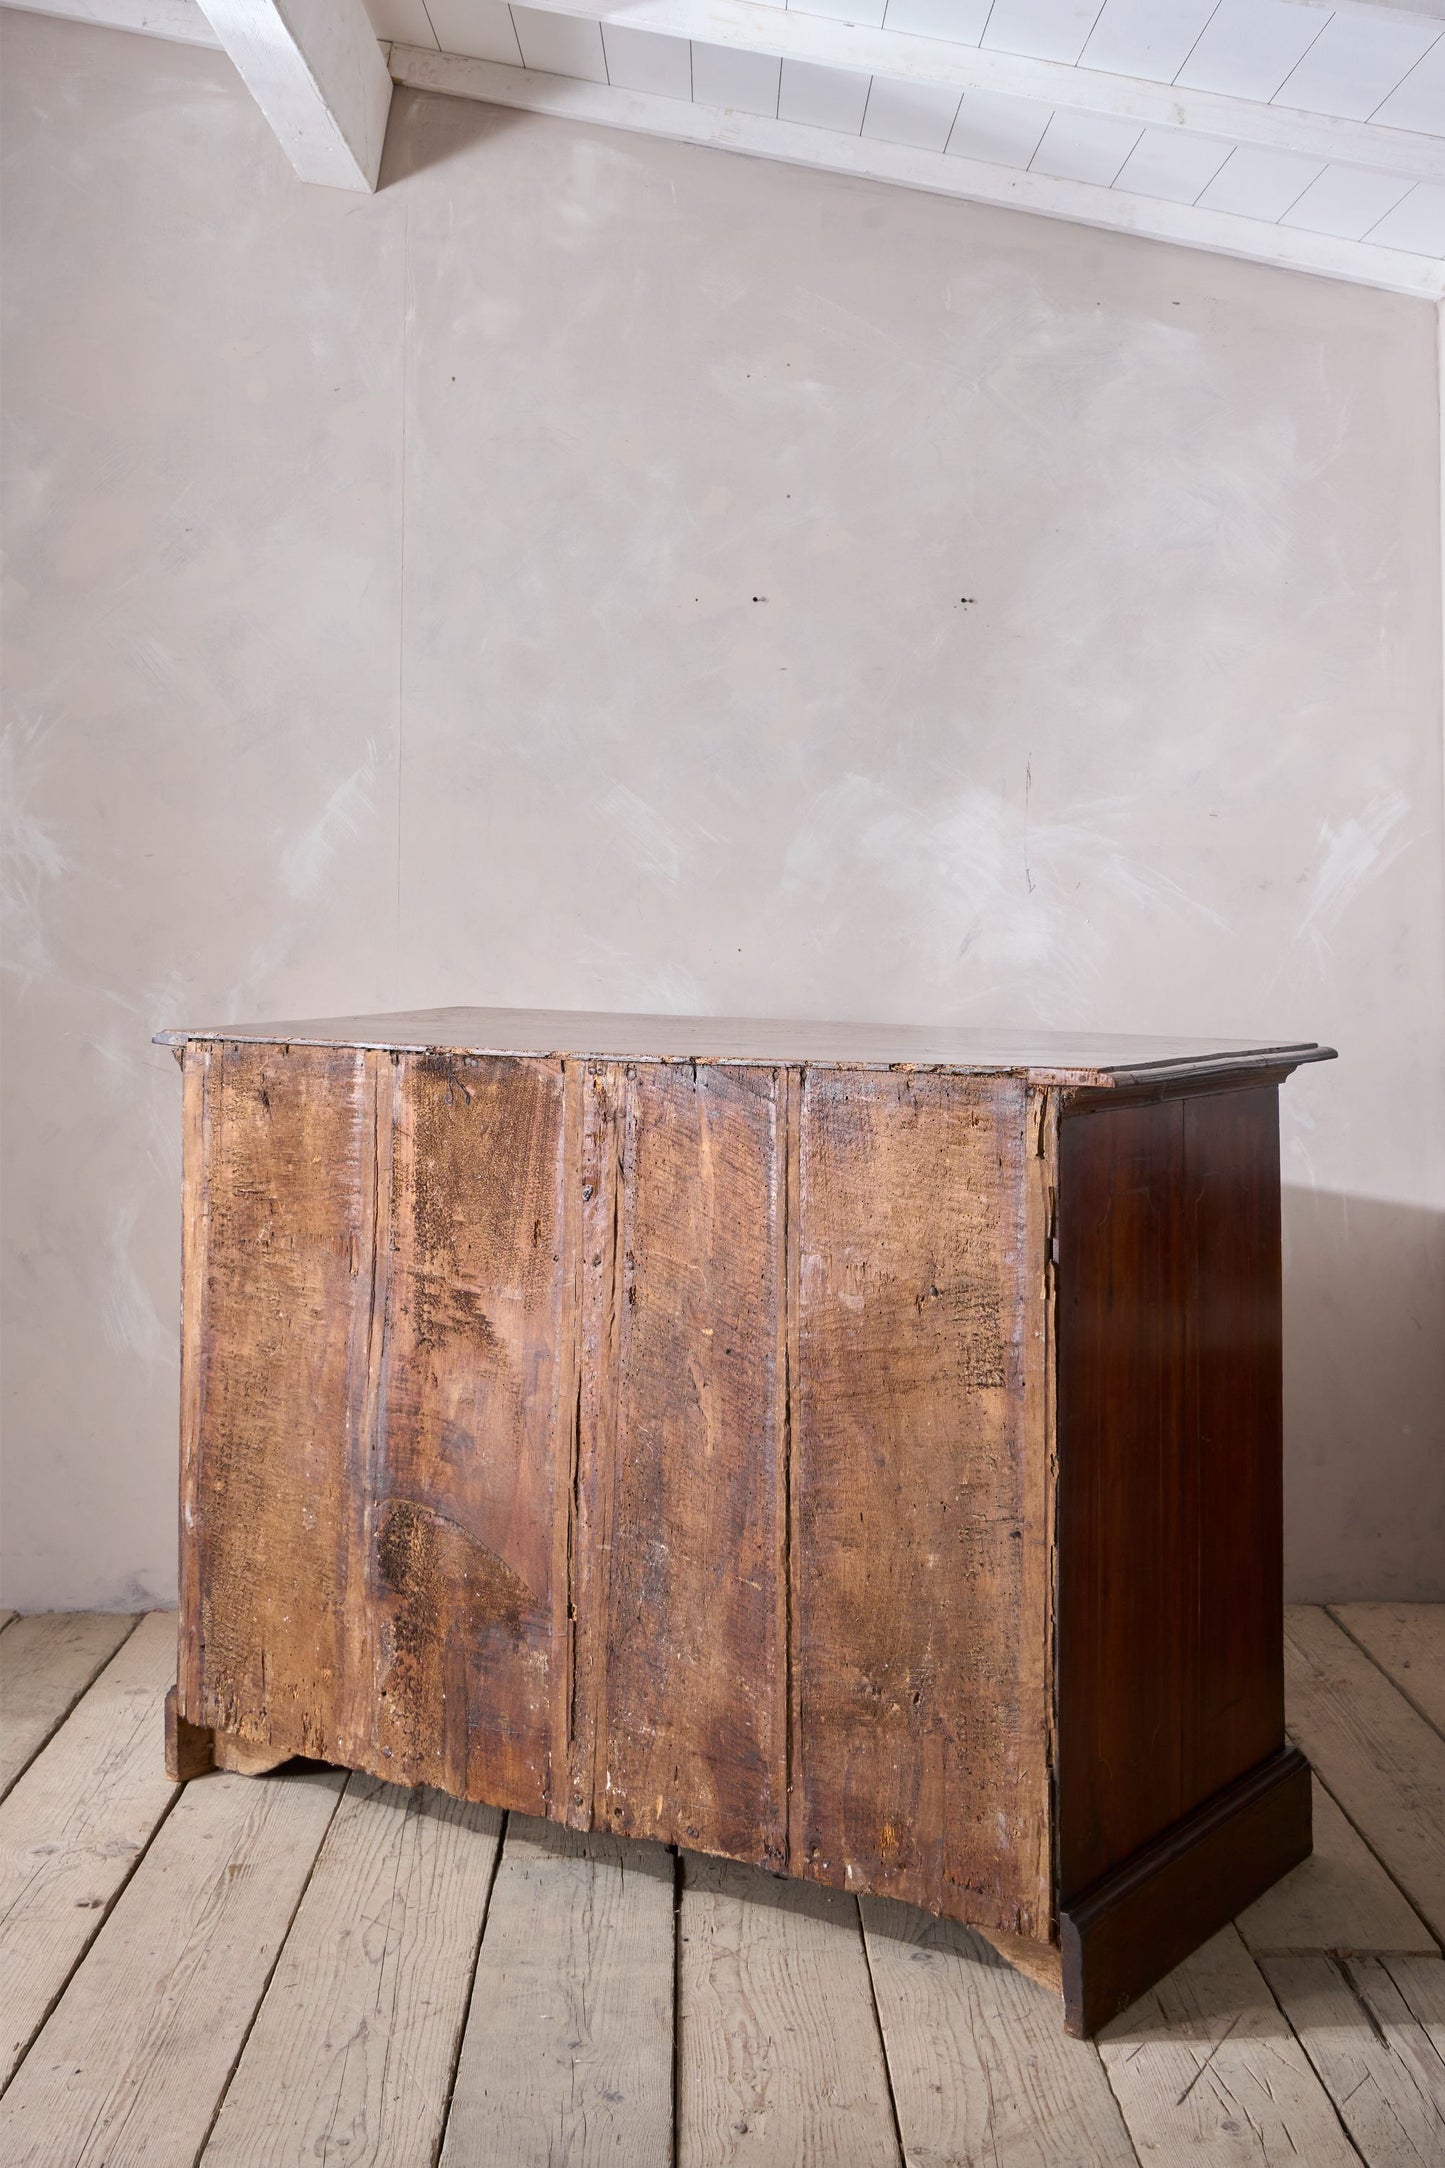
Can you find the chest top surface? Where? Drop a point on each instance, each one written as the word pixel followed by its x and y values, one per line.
pixel 588 1035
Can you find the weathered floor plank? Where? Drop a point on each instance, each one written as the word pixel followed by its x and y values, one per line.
pixel 779 2055
pixel 352 2052
pixel 1375 2057
pixel 1407 1640
pixel 1340 1898
pixel 567 2054
pixel 45 1666
pixel 74 1823
pixel 980 2066
pixel 130 2066
pixel 1207 2070
pixel 1384 1764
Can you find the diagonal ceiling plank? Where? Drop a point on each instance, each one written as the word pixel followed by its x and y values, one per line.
pixel 316 71
pixel 896 56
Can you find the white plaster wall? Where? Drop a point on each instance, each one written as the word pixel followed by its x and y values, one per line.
pixel 383 631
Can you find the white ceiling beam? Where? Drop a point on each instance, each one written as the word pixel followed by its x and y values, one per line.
pixel 316 71
pixel 866 158
pixel 793 35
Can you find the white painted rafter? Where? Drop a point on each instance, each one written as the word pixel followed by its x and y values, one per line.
pixel 316 71
pixel 790 34
pixel 759 135
pixel 1216 159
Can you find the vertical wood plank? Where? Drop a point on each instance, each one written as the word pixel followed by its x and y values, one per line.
pixel 465 1470
pixel 1375 2057
pixel 1207 2070
pixel 352 2051
pixel 121 2079
pixel 980 2066
pixel 604 1093
pixel 920 1532
pixel 1170 1675
pixel 780 2059
pixel 281 1287
pixel 46 1664
pixel 693 1738
pixel 1384 1764
pixel 74 1824
pixel 568 2048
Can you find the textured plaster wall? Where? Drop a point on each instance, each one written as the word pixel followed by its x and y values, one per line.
pixel 598 571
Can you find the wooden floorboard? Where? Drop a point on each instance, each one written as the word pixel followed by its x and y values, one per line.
pixel 46 1663
pixel 779 2054
pixel 249 1974
pixel 1340 1898
pixel 352 2052
pixel 1206 2068
pixel 74 1826
pixel 1380 1760
pixel 1407 1641
pixel 1386 2074
pixel 981 2067
pixel 568 2048
pixel 131 2064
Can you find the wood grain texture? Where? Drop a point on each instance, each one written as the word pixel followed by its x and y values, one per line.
pixel 1384 1764
pixel 761 1042
pixel 279 1258
pixel 672 1448
pixel 1371 2051
pixel 1170 1508
pixel 780 2059
pixel 1407 1641
pixel 466 1474
pixel 1207 2070
pixel 190 1748
pixel 1340 1898
pixel 75 1824
pixel 117 2079
pixel 352 2051
pixel 686 1617
pixel 1130 1926
pixel 568 2048
pixel 46 1663
pixel 979 2067
pixel 921 1574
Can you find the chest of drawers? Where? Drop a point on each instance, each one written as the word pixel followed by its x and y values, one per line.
pixel 852 1450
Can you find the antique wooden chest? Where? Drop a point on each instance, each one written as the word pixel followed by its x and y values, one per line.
pixel 849 1449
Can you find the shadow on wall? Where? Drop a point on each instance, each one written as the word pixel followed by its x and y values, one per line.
pixel 1364 1395
pixel 423 130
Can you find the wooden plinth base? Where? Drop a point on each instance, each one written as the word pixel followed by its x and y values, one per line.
pixel 1136 1923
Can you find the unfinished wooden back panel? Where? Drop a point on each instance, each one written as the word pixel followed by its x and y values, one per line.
pixel 656 1447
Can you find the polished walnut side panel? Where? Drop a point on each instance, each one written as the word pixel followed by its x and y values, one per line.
pixel 1170 1679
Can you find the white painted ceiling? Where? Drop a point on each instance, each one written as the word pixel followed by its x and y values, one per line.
pixel 1295 131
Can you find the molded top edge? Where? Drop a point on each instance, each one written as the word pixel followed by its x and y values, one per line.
pixel 586 1035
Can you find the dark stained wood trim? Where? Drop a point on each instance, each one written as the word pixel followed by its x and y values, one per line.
pixel 1141 1919
pixel 1144 1089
